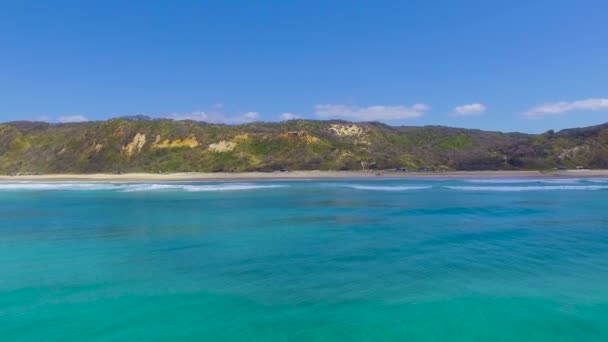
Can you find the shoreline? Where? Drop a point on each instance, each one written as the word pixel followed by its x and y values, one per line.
pixel 306 175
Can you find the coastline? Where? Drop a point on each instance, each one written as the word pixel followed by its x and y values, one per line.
pixel 304 175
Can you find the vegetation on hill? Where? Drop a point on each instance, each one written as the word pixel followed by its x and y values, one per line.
pixel 141 144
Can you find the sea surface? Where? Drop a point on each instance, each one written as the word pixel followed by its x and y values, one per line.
pixel 351 260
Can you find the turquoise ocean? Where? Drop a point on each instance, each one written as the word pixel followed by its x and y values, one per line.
pixel 311 260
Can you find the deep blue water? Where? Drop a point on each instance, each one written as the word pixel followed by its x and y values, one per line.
pixel 356 260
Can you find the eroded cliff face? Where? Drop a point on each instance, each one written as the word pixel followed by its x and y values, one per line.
pixel 135 146
pixel 222 146
pixel 189 142
pixel 166 146
pixel 346 130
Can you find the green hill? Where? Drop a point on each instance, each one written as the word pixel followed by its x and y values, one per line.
pixel 141 144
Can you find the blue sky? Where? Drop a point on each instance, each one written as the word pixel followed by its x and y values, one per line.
pixel 500 65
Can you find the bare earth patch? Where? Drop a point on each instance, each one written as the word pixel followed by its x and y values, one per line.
pixel 222 146
pixel 135 146
pixel 346 130
pixel 190 142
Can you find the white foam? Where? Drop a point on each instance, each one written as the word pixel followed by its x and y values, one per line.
pixel 57 186
pixel 199 188
pixel 231 187
pixel 562 181
pixel 387 188
pixel 126 187
pixel 524 181
pixel 151 187
pixel 528 188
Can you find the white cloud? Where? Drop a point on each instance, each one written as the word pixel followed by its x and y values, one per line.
pixel 560 108
pixel 194 116
pixel 215 117
pixel 249 116
pixel 288 116
pixel 471 109
pixel 72 118
pixel 371 113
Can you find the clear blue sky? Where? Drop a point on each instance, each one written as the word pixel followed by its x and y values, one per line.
pixel 508 65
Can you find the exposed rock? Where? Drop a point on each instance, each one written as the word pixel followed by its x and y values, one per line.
pixel 222 146
pixel 346 130
pixel 350 131
pixel 240 138
pixel 135 146
pixel 190 142
pixel 572 152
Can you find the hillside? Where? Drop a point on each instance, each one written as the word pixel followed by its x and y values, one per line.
pixel 141 144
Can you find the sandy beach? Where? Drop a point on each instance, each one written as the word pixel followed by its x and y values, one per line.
pixel 295 175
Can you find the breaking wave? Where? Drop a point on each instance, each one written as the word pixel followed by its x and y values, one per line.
pixel 58 186
pixel 76 186
pixel 528 188
pixel 388 188
pixel 525 181
pixel 199 188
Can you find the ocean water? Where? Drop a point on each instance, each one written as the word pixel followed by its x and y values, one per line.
pixel 353 260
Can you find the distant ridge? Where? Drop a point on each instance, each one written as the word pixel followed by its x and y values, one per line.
pixel 142 144
pixel 136 117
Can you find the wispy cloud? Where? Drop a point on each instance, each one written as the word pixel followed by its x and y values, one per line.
pixel 248 117
pixel 215 117
pixel 371 113
pixel 194 116
pixel 563 107
pixel 472 109
pixel 72 118
pixel 288 116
